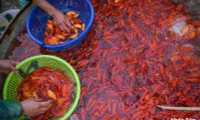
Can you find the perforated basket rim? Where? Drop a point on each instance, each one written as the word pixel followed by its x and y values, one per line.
pixel 78 85
pixel 69 42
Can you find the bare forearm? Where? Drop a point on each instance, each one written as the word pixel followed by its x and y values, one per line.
pixel 59 18
pixel 43 4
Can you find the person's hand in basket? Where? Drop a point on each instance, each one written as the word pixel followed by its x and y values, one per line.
pixel 13 109
pixel 6 66
pixel 60 19
pixel 32 107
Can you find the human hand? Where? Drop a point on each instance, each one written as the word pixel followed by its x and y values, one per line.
pixel 62 21
pixel 34 107
pixel 6 66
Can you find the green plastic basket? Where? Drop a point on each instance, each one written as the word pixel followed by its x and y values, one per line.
pixel 13 80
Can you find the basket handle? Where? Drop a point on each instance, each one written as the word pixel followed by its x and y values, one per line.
pixel 34 64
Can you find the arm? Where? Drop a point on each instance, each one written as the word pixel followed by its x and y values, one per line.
pixel 60 19
pixel 6 66
pixel 46 6
pixel 9 109
pixel 12 109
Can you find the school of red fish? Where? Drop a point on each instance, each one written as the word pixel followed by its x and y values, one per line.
pixel 53 34
pixel 137 55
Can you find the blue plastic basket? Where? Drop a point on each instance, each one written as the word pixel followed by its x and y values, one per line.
pixel 38 18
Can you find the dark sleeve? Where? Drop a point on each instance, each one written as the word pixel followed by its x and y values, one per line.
pixel 29 0
pixel 10 110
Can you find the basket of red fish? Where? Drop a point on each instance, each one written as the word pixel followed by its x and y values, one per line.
pixel 41 28
pixel 48 78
